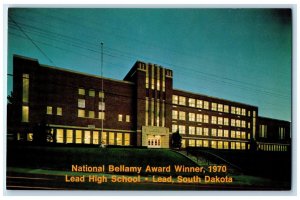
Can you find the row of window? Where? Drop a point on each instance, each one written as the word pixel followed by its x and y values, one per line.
pixel 90 92
pixel 193 117
pixel 120 118
pixel 51 111
pixel 197 103
pixel 272 147
pixel 154 112
pixel 81 104
pixel 155 78
pixel 91 114
pixel 214 144
pixel 263 130
pixel 192 130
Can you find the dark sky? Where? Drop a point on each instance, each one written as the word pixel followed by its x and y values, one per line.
pixel 241 55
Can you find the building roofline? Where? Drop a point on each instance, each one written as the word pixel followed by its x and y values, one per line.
pixel 268 118
pixel 71 71
pixel 215 97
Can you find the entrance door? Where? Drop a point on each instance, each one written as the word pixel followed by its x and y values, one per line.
pixel 154 141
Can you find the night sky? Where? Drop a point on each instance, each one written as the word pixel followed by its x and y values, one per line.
pixel 242 55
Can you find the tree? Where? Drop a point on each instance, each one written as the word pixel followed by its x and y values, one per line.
pixel 176 140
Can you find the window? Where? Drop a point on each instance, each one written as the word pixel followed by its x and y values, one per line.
pixel 243 135
pixel 226 123
pixel 192 117
pixel 238 111
pixel 119 138
pixel 220 133
pixel 232 122
pixel 175 99
pixel 205 143
pixel 237 145
pixel 199 103
pixel 181 129
pixel 174 114
pixel 191 143
pixel 69 136
pixel 182 101
pixel 95 137
pixel 232 134
pixel 226 108
pixel 281 133
pixel 205 131
pixel 111 140
pixel 205 118
pixel 214 120
pixel 199 118
pixel 81 113
pixel 254 113
pixel 238 134
pixel 192 102
pixel 174 128
pixel 220 120
pixel 243 111
pixel 206 105
pixel 243 146
pixel 87 137
pixel 101 106
pixel 101 95
pixel 249 113
pixel 78 136
pixel 25 114
pixel 101 115
pixel 226 133
pixel 232 145
pixel 220 107
pixel 91 114
pixel 126 139
pixel 199 131
pixel 192 130
pixel 127 118
pixel 181 115
pixel 263 131
pixel 232 110
pixel 220 144
pixel 183 143
pixel 213 132
pixel 199 143
pixel 59 111
pixel 243 123
pixel 81 103
pixel 25 91
pixel 226 146
pixel 81 91
pixel 60 136
pixel 249 125
pixel 91 93
pixel 49 110
pixel 238 123
pixel 104 138
pixel 120 117
pixel 213 144
pixel 214 106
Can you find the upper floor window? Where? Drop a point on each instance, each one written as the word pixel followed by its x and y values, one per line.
pixel 192 102
pixel 182 101
pixel 101 94
pixel 182 115
pixel 120 117
pixel 199 103
pixel 174 114
pixel 206 105
pixel 220 107
pixel 81 91
pixel 226 108
pixel 81 103
pixel 192 117
pixel 214 106
pixel 232 109
pixel 101 106
pixel 59 111
pixel 91 93
pixel 49 110
pixel 175 99
pixel 127 118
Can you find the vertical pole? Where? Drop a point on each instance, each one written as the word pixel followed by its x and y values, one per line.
pixel 102 111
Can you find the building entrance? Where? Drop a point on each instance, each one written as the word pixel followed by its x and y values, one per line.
pixel 154 141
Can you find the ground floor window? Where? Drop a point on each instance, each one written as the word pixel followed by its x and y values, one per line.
pixel 78 136
pixel 95 137
pixel 111 140
pixel 69 136
pixel 60 135
pixel 104 138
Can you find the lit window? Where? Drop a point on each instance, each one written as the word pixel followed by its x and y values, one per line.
pixel 199 118
pixel 226 123
pixel 214 132
pixel 111 139
pixel 25 114
pixel 49 110
pixel 249 113
pixel 29 137
pixel 263 131
pixel 78 136
pixel 192 117
pixel 91 114
pixel 226 133
pixel 226 108
pixel 101 106
pixel 81 113
pixel 249 125
pixel 220 120
pixel 214 106
pixel 183 143
pixel 174 128
pixel 238 111
pixel 281 133
pixel 192 130
pixel 199 143
pixel 181 129
pixel 25 95
pixel 214 120
pixel 59 111
pixel 232 109
pixel 175 99
pixel 226 146
pixel 205 143
pixel 213 144
pixel 243 145
pixel 205 118
pixel 232 122
pixel 101 115
pixel 205 131
pixel 243 111
pixel 237 145
pixel 81 91
pixel 232 145
pixel 199 103
pixel 254 114
pixel 243 123
pixel 232 134
pixel 182 101
pixel 119 138
pixel 91 93
pixel 191 143
pixel 238 123
pixel 81 103
pixel 220 144
pixel 127 118
pixel 192 102
pixel 60 136
pixel 87 137
pixel 199 131
pixel 220 133
pixel 243 135
pixel 220 107
pixel 238 134
pixel 206 105
pixel 126 139
pixel 95 137
pixel 120 117
pixel 104 138
pixel 181 115
pixel 101 94
pixel 69 136
pixel 174 114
